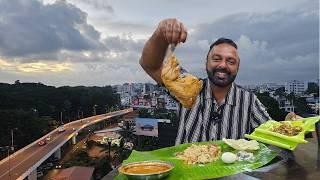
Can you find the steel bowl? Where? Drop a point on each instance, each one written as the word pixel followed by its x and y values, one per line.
pixel 149 176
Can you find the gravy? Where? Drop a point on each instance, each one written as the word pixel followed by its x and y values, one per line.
pixel 146 169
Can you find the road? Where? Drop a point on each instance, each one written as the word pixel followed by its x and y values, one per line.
pixel 24 159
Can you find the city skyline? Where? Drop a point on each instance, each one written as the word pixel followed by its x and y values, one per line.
pixel 98 43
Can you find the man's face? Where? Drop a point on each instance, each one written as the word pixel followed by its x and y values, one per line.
pixel 222 64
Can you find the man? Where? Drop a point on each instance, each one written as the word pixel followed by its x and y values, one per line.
pixel 222 109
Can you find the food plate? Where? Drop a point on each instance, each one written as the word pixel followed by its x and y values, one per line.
pixel 265 134
pixel 151 170
pixel 214 169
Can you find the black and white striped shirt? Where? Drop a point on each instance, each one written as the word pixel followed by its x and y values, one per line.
pixel 238 114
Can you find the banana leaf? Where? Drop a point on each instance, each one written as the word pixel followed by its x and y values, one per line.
pixel 210 170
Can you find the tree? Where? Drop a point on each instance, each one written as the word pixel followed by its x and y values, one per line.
pixel 272 106
pixel 127 131
pixel 280 92
pixel 18 100
pixel 301 106
pixel 313 88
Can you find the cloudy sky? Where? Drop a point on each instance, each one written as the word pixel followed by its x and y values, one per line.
pixel 99 42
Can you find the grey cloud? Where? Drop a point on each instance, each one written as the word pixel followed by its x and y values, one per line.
pixel 118 44
pixel 97 4
pixel 30 27
pixel 274 47
pixel 283 30
pixel 124 26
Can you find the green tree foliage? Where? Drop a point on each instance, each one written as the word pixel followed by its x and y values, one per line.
pixel 301 106
pixel 81 158
pixel 272 106
pixel 50 101
pixel 34 107
pixel 313 88
pixel 280 92
pixel 27 125
pixel 159 113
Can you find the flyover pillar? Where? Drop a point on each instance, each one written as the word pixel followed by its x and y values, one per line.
pixel 33 175
pixel 57 154
pixel 74 139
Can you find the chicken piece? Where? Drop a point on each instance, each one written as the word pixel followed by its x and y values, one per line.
pixel 184 87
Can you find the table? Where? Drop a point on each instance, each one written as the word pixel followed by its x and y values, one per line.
pixel 302 163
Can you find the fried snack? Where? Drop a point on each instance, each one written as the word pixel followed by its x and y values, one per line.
pixel 242 144
pixel 200 154
pixel 287 129
pixel 184 87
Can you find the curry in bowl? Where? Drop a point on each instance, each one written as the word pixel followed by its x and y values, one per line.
pixel 146 169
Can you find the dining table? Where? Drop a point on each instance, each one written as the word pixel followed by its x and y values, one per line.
pixel 301 163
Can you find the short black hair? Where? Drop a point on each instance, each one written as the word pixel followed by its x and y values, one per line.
pixel 221 41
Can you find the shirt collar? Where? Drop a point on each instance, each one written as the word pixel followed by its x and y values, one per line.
pixel 229 99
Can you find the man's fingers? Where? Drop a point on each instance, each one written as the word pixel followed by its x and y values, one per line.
pixel 176 31
pixel 183 34
pixel 169 31
pixel 172 31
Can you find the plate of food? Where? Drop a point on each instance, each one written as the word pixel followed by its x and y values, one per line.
pixel 284 134
pixel 151 170
pixel 205 160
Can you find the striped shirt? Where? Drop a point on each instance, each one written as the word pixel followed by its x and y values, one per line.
pixel 238 114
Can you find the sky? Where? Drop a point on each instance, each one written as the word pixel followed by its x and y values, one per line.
pixel 99 42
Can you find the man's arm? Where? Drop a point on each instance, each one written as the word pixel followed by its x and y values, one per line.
pixel 259 113
pixel 169 31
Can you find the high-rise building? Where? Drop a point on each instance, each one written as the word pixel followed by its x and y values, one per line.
pixel 295 86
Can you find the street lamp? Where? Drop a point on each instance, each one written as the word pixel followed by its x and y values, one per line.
pixel 109 140
pixel 61 122
pixel 12 146
pixel 94 110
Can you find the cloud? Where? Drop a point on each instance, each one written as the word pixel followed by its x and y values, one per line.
pixel 32 28
pixel 92 44
pixel 273 47
pixel 95 4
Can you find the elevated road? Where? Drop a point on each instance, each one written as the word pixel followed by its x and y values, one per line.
pixel 26 160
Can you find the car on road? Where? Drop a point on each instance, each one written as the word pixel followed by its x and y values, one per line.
pixel 61 128
pixel 42 142
pixel 49 164
pixel 48 138
pixel 39 174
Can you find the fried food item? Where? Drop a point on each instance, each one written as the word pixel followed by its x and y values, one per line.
pixel 200 154
pixel 287 129
pixel 184 87
pixel 242 144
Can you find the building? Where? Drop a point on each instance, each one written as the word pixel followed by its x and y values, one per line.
pixel 141 102
pixel 170 103
pixel 314 104
pixel 125 99
pixel 286 105
pixel 126 88
pixel 167 132
pixel 161 103
pixel 295 86
pixel 148 88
